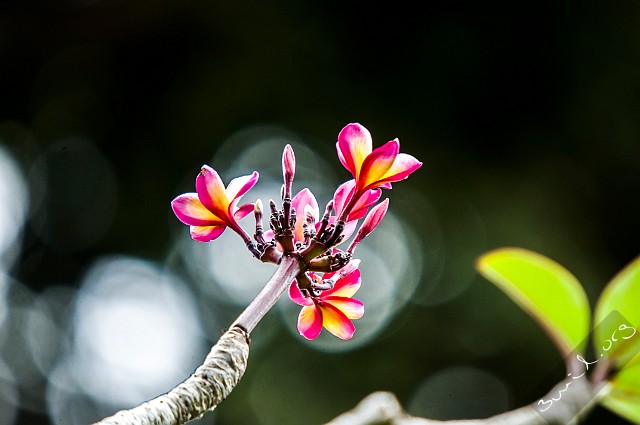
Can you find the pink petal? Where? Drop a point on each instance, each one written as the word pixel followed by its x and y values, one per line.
pixel 376 165
pixel 336 321
pixel 268 235
pixel 304 202
pixel 243 211
pixel 302 199
pixel 403 165
pixel 296 296
pixel 211 192
pixel 241 185
pixel 206 233
pixel 310 322
pixel 349 228
pixel 354 144
pixel 343 194
pixel 189 210
pixel 344 287
pixel 353 309
pixel 369 198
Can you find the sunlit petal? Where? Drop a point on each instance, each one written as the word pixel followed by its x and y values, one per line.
pixel 189 210
pixel 376 165
pixel 296 296
pixel 243 211
pixel 206 233
pixel 403 165
pixel 211 192
pixel 353 309
pixel 310 322
pixel 336 321
pixel 345 287
pixel 354 144
pixel 241 185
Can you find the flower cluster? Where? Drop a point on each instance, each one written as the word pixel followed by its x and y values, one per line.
pixel 298 228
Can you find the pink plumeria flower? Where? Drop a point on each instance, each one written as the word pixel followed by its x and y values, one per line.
pixel 333 309
pixel 372 168
pixel 214 208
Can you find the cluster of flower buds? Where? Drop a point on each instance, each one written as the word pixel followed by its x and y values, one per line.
pixel 297 229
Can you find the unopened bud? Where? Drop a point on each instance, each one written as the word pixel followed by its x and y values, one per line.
pixel 288 169
pixel 288 163
pixel 257 207
pixel 371 221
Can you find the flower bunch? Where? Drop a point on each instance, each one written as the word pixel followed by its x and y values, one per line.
pixel 329 277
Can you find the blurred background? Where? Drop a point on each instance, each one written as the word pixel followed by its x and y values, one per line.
pixel 527 119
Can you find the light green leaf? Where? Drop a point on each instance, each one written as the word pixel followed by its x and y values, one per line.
pixel 621 300
pixel 545 290
pixel 624 395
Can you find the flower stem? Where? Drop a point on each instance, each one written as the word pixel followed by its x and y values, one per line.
pixel 289 267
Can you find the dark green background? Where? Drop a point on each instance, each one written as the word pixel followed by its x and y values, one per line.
pixel 527 115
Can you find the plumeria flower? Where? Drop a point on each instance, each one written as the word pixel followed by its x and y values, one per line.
pixel 372 168
pixel 213 207
pixel 333 309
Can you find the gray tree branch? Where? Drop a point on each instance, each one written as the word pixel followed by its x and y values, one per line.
pixel 383 408
pixel 211 383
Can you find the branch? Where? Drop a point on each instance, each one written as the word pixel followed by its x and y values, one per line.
pixel 204 390
pixel 383 408
pixel 222 369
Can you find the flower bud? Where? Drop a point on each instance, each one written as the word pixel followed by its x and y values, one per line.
pixel 371 221
pixel 288 169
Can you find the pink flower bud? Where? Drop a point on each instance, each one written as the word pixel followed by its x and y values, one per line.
pixel 371 221
pixel 288 164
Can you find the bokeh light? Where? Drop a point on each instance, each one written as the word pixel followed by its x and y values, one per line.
pixel 14 201
pixel 136 333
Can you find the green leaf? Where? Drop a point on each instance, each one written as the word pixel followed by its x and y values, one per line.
pixel 624 395
pixel 621 299
pixel 545 290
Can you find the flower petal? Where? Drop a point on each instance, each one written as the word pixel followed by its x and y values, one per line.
pixel 241 185
pixel 353 309
pixel 342 195
pixel 206 233
pixel 367 199
pixel 336 321
pixel 304 202
pixel 344 287
pixel 189 210
pixel 376 165
pixel 243 211
pixel 354 144
pixel 310 322
pixel 211 192
pixel 403 165
pixel 296 296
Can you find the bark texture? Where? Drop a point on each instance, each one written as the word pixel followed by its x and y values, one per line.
pixel 209 385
